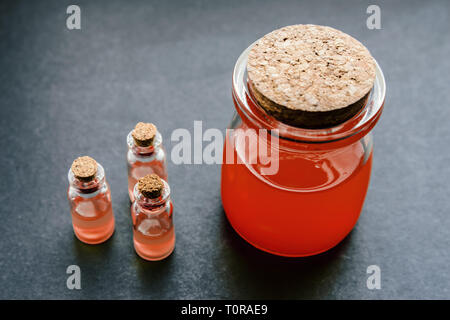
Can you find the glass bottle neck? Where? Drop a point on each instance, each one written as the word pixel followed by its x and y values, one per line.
pixel 153 209
pixel 144 151
pixel 88 187
pixel 152 204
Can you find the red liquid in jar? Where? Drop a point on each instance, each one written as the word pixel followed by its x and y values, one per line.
pixel 308 207
pixel 92 218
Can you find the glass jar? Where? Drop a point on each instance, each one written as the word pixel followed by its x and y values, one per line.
pixel 314 197
pixel 145 160
pixel 153 229
pixel 91 209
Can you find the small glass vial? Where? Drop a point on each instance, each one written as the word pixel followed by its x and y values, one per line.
pixel 146 154
pixel 90 201
pixel 152 214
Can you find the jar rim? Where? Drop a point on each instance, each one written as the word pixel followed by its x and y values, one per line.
pixel 361 123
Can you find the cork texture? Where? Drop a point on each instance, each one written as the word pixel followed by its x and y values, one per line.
pixel 303 69
pixel 144 133
pixel 84 168
pixel 151 186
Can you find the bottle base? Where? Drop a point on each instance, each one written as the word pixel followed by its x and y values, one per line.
pixel 95 238
pixel 152 257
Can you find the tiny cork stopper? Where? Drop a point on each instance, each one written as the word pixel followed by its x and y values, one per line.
pixel 310 76
pixel 84 168
pixel 151 186
pixel 144 133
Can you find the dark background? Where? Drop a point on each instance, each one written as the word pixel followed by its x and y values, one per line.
pixel 69 93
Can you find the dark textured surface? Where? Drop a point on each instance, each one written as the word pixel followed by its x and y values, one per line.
pixel 67 93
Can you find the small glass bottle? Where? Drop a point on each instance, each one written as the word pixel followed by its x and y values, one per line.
pixel 146 154
pixel 152 214
pixel 90 201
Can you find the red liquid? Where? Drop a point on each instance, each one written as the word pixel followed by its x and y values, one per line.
pixel 92 218
pixel 318 200
pixel 153 234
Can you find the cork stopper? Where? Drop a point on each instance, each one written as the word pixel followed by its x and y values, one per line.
pixel 151 186
pixel 310 76
pixel 144 133
pixel 84 168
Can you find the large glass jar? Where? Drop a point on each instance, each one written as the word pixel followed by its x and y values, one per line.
pixel 314 198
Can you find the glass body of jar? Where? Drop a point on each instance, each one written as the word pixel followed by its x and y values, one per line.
pixel 153 229
pixel 91 209
pixel 313 198
pixel 142 161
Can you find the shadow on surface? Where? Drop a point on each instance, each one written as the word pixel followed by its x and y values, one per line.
pixel 89 253
pixel 92 259
pixel 153 273
pixel 255 274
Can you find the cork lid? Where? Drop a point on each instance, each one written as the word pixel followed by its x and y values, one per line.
pixel 144 133
pixel 84 168
pixel 151 186
pixel 309 68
